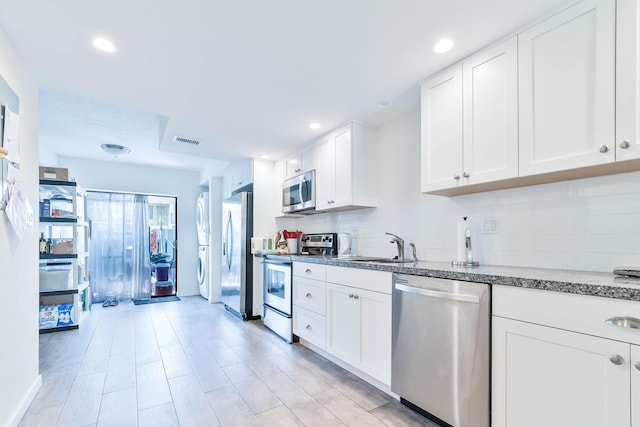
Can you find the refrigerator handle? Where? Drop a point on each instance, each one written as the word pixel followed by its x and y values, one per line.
pixel 229 241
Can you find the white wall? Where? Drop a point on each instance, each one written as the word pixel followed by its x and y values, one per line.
pixel 19 259
pixel 114 176
pixel 590 224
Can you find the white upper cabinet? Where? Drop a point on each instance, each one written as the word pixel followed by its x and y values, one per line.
pixel 237 175
pixel 470 121
pixel 628 80
pixel 346 175
pixel 441 121
pixel 302 162
pixel 490 95
pixel 567 90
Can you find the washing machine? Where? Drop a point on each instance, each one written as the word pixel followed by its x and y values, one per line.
pixel 203 271
pixel 202 218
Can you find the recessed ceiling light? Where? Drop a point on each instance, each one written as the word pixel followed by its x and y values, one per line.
pixel 265 156
pixel 443 46
pixel 314 125
pixel 104 44
pixel 116 150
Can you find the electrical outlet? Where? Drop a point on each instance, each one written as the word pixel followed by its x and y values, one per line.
pixel 490 225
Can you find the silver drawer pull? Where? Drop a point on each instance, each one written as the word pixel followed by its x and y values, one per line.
pixel 616 359
pixel 637 365
pixel 355 296
pixel 624 322
pixel 308 295
pixel 350 295
pixel 307 271
pixel 308 327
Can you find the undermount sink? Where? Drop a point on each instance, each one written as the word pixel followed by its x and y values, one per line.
pixel 379 259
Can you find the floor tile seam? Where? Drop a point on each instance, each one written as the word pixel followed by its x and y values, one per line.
pixel 239 392
pixel 101 396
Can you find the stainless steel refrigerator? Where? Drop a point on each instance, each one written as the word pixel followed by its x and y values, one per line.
pixel 237 263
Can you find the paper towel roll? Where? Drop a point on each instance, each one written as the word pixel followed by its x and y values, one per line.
pixel 463 224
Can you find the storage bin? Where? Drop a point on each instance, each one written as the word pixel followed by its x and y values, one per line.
pixel 56 277
pixel 61 207
pixel 62 248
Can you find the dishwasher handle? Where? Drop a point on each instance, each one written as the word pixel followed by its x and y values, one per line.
pixel 435 294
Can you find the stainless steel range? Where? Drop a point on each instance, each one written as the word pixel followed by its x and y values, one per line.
pixel 319 244
pixel 277 298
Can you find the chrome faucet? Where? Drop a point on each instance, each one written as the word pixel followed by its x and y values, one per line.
pixel 398 241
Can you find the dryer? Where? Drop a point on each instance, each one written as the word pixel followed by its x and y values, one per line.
pixel 203 271
pixel 202 218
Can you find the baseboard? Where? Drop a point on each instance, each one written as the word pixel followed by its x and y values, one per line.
pixel 15 419
pixel 355 371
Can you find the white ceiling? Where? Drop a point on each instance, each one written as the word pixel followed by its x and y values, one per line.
pixel 246 77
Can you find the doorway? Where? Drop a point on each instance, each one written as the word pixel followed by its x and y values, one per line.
pixel 133 252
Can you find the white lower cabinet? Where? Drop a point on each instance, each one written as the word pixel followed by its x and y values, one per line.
pixel 309 306
pixel 359 328
pixel 563 373
pixel 550 377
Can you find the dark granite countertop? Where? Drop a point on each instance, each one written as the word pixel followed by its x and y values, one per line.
pixel 576 282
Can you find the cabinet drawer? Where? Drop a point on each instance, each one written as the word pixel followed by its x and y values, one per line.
pixel 309 270
pixel 579 313
pixel 309 326
pixel 377 281
pixel 310 294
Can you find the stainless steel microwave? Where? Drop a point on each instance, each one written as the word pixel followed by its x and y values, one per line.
pixel 299 193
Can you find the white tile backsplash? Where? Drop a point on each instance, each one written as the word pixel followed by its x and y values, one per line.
pixel 589 224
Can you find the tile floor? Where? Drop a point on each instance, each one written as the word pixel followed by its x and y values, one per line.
pixel 190 363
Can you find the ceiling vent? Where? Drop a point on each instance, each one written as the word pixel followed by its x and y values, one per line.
pixel 186 140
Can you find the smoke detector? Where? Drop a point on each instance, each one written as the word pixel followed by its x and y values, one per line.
pixel 115 150
pixel 186 140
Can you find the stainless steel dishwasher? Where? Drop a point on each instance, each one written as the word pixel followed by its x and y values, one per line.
pixel 440 363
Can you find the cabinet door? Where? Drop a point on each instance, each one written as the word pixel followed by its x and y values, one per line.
pixel 628 80
pixel 292 166
pixel 566 89
pixel 490 84
pixel 635 386
pixel 343 169
pixel 441 122
pixel 308 159
pixel 375 334
pixel 551 377
pixel 325 174
pixel 343 329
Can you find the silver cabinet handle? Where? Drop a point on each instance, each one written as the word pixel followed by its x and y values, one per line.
pixel 307 271
pixel 308 295
pixel 355 296
pixel 625 144
pixel 308 327
pixel 456 176
pixel 616 359
pixel 350 295
pixel 637 365
pixel 465 175
pixel 604 148
pixel 624 322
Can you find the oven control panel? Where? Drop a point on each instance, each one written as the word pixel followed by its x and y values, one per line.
pixel 320 243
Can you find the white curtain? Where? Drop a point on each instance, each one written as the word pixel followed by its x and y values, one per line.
pixel 119 259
